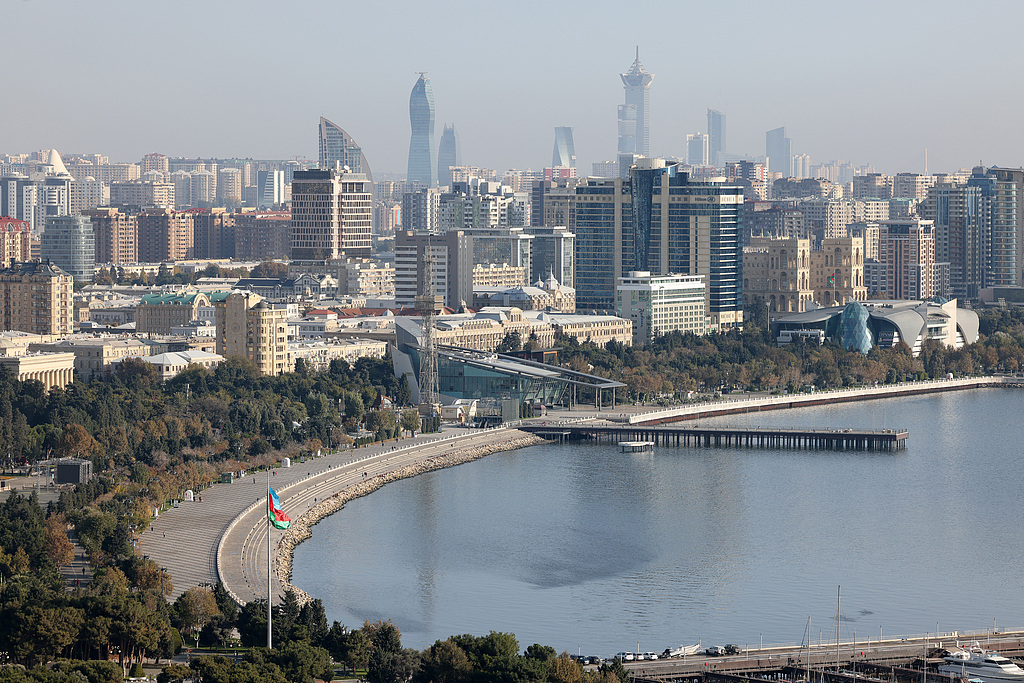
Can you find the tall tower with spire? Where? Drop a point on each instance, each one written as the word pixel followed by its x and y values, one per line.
pixel 634 116
pixel 422 148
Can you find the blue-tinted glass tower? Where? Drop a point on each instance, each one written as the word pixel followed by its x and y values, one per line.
pixel 449 153
pixel 422 152
pixel 716 137
pixel 564 153
pixel 635 114
pixel 338 147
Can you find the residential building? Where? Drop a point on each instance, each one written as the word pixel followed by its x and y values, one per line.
pixel 155 162
pixel 912 185
pixel 318 354
pixel 660 304
pixel 635 114
pixel 269 189
pixel 116 235
pixel 262 235
pixel 778 272
pixel 165 235
pixel 495 275
pixel 962 218
pixel 36 298
pixel 247 326
pixel 779 150
pixel 422 152
pixel 229 187
pixel 907 249
pixel 594 329
pixel 449 154
pixel 69 243
pixel 872 186
pixel 143 193
pixel 332 211
pixel 661 221
pixel 15 240
pixel 214 236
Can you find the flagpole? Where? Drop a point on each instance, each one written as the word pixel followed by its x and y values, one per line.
pixel 270 632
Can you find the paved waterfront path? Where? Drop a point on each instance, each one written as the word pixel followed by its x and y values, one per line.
pixel 184 540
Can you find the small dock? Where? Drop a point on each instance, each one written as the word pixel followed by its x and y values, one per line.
pixel 636 446
pixel 738 437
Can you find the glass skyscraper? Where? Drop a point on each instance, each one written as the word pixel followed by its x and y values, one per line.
pixel 658 220
pixel 337 146
pixel 716 137
pixel 422 152
pixel 634 116
pixel 564 153
pixel 449 153
pixel 779 150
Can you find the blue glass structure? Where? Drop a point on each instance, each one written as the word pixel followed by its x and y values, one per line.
pixel 853 328
pixel 338 147
pixel 422 152
pixel 449 153
pixel 564 153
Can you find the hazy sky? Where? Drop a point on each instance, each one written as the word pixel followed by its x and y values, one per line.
pixel 865 81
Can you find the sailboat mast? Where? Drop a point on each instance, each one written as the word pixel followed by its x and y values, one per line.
pixel 838 620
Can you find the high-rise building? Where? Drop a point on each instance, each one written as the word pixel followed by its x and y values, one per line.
pixel 155 162
pixel 332 212
pixel 165 235
pixel 907 251
pixel 116 235
pixel 451 265
pixel 697 152
pixel 659 304
pixel 269 189
pixel 1006 194
pixel 564 153
pixel 338 147
pixel 37 298
pixel 872 186
pixel 203 188
pixel 637 109
pixel 449 154
pixel 779 150
pixel 262 235
pixel 214 236
pixel 68 242
pixel 962 221
pixel 422 152
pixel 716 137
pixel 143 193
pixel 554 253
pixel 229 186
pixel 659 221
pixel 247 326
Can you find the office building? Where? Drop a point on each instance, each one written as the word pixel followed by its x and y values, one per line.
pixel 697 149
pixel 449 154
pixel 553 202
pixel 564 154
pixel 907 251
pixel 554 253
pixel 510 245
pixel 716 137
pixel 779 150
pixel 116 235
pixel 660 304
pixel 635 114
pixel 332 211
pixel 269 189
pixel 452 267
pixel 159 313
pixel 422 152
pixel 69 243
pixel 338 148
pixel 661 221
pixel 37 298
pixel 19 199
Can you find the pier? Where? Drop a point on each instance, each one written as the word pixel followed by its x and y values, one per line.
pixel 734 437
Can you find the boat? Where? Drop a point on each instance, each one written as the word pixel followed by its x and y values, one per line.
pixel 976 663
pixel 683 650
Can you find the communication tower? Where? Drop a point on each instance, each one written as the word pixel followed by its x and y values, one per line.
pixel 428 304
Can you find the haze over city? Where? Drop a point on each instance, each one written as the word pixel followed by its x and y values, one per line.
pixel 872 83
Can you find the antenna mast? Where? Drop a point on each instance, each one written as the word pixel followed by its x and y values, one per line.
pixel 428 304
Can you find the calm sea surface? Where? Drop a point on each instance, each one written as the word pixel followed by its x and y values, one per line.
pixel 582 546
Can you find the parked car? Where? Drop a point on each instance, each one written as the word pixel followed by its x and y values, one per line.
pixel 732 649
pixel 715 651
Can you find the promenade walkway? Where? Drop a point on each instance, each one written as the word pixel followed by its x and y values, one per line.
pixel 184 540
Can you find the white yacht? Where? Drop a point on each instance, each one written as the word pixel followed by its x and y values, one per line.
pixel 975 663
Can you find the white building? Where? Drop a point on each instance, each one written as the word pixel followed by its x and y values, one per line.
pixel 658 304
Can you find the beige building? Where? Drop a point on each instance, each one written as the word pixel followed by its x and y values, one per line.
pixel 597 329
pixel 498 275
pixel 485 330
pixel 786 273
pixel 116 235
pixel 95 356
pixel 165 235
pixel 544 294
pixel 319 354
pixel 52 369
pixel 143 193
pixel 247 326
pixel 15 241
pixel 169 364
pixel 158 313
pixel 37 298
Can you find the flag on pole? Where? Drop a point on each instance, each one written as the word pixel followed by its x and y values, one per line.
pixel 274 511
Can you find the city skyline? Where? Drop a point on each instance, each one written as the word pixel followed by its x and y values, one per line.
pixel 831 106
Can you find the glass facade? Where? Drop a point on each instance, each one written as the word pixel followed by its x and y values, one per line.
pixel 464 380
pixel 448 154
pixel 853 328
pixel 422 152
pixel 337 146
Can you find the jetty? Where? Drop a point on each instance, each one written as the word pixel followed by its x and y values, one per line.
pixel 735 437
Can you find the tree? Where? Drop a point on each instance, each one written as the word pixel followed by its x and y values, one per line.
pixel 270 269
pixel 444 662
pixel 194 608
pixel 410 421
pixel 55 541
pixel 511 342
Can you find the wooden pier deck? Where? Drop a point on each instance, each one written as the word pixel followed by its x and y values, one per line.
pixel 742 437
